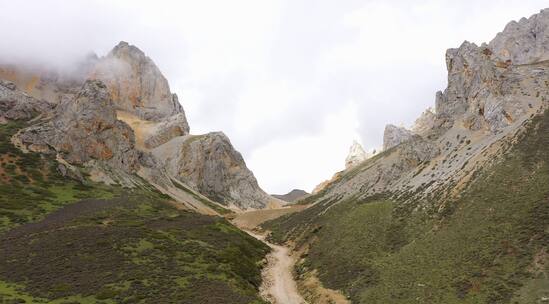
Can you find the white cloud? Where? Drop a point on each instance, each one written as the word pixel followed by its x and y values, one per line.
pixel 291 82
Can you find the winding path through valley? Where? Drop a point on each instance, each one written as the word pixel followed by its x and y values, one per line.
pixel 279 286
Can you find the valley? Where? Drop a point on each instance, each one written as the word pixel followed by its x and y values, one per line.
pixel 107 197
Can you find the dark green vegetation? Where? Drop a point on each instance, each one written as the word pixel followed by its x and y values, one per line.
pixel 31 186
pixel 490 245
pixel 62 241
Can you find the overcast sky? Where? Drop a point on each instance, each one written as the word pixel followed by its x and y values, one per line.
pixel 291 82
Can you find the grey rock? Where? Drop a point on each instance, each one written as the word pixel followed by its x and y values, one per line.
pixel 490 87
pixel 85 129
pixel 393 136
pixel 210 164
pixel 525 41
pixel 16 105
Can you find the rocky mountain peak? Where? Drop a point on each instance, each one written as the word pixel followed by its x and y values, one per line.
pixel 136 84
pixel 393 136
pixel 356 155
pixel 488 85
pixel 211 165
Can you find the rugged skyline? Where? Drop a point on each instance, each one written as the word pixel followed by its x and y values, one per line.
pixel 290 92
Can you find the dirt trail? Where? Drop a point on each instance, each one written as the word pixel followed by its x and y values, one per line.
pixel 279 286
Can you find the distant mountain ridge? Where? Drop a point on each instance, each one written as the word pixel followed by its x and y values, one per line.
pixel 292 196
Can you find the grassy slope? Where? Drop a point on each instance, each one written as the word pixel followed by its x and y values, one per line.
pixel 488 246
pixel 65 242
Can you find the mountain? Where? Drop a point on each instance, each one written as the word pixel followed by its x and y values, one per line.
pixel 455 210
pixel 105 197
pixel 126 122
pixel 292 196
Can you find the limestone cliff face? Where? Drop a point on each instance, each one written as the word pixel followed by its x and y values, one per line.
pixel 210 164
pixel 491 86
pixel 136 84
pixel 85 129
pixel 356 155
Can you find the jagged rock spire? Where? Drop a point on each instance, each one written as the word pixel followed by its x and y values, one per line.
pixel 356 155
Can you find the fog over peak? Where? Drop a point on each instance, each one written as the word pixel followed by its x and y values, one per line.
pixel 292 83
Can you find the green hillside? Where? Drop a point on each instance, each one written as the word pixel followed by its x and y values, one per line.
pixel 62 241
pixel 489 245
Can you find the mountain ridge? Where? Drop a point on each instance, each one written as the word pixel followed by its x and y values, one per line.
pixel 401 223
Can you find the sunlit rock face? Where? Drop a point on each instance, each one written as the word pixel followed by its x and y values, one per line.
pixel 136 84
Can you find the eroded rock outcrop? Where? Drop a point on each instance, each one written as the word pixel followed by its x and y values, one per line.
pixel 85 129
pixel 491 86
pixel 393 136
pixel 210 164
pixel 136 84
